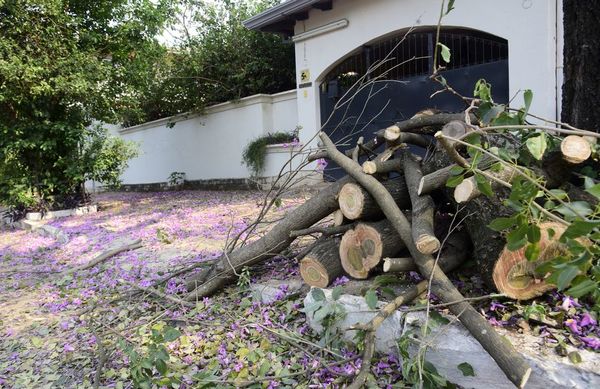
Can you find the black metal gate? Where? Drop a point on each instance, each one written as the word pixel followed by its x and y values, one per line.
pixel 401 86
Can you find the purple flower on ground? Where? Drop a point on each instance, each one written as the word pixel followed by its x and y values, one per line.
pixel 68 348
pixel 591 342
pixel 572 324
pixel 340 281
pixel 569 302
pixel 238 366
pixel 497 323
pixel 587 320
pixel 496 305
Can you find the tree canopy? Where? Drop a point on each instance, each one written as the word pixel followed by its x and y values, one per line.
pixel 213 59
pixel 67 63
pixel 64 64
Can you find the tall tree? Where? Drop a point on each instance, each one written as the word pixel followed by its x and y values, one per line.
pixel 63 64
pixel 215 59
pixel 581 88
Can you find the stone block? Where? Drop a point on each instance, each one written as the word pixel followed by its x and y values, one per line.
pixel 54 232
pixel 358 312
pixel 273 290
pixel 33 216
pixel 58 214
pixel 452 344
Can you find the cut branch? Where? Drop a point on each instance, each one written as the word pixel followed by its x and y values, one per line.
pixel 575 149
pixel 356 203
pixel 273 242
pixel 322 264
pixel 362 248
pixel 106 255
pixel 423 209
pixel 512 364
pixel 372 167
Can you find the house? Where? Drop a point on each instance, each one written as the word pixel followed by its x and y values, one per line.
pixel 513 44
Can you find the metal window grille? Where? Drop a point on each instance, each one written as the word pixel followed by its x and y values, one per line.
pixel 412 55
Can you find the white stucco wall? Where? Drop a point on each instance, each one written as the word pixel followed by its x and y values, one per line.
pixel 207 146
pixel 529 26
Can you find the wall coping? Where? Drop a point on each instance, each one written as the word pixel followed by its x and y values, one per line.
pixel 260 98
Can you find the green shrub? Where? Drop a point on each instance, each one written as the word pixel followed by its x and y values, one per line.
pixel 254 153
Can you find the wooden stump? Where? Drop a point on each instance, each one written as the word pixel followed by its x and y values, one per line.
pixel 515 276
pixel 322 264
pixel 575 149
pixel 356 203
pixel 362 248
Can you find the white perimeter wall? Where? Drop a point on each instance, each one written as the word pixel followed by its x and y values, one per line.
pixel 529 26
pixel 207 146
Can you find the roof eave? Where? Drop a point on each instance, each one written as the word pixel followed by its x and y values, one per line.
pixel 282 17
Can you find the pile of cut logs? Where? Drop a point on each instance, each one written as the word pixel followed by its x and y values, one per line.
pixel 408 222
pixel 362 241
pixel 395 214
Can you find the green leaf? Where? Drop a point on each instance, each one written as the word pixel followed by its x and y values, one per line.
pixel 582 288
pixel 484 185
pixel 533 233
pixel 263 370
pixel 171 334
pixel 454 181
pixel 532 252
pixel 466 369
pixel 483 90
pixel 493 113
pixel 579 228
pixel 161 366
pixel 437 318
pixel 336 292
pixel 321 313
pixel 456 170
pixel 575 209
pixel 537 145
pixel 527 97
pixel 317 294
pixel 565 276
pixel 386 279
pixel 445 52
pixel 558 193
pixel 450 7
pixel 37 342
pixel 502 223
pixel 371 299
pixel 594 191
pixel 517 238
pixel 574 357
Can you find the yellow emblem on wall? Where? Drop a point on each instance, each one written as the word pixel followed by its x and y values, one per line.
pixel 304 75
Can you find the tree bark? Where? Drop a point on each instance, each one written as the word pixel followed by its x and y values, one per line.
pixel 356 203
pixel 512 364
pixel 455 251
pixel 322 265
pixel 423 209
pixel 581 96
pixel 277 239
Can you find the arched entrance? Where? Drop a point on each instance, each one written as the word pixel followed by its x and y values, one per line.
pixel 402 86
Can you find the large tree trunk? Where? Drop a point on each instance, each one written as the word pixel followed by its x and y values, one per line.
pixel 581 96
pixel 277 239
